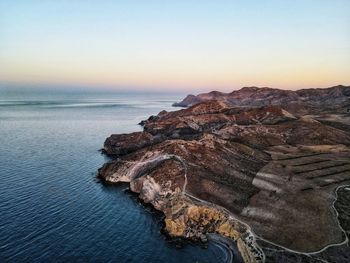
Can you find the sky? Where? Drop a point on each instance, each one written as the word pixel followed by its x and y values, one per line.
pixel 175 45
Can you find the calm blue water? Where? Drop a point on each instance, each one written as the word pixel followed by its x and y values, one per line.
pixel 51 206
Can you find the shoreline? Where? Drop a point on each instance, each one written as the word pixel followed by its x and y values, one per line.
pixel 227 245
pixel 247 248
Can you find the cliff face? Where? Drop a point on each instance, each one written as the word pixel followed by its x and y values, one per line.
pixel 300 102
pixel 242 172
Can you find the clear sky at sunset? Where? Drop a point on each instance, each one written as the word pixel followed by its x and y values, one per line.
pixel 180 44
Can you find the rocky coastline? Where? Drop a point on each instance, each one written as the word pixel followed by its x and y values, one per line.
pixel 257 166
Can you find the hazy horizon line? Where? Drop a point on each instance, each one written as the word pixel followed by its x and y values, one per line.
pixel 21 87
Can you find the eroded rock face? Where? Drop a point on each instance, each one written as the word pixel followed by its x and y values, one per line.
pixel 238 172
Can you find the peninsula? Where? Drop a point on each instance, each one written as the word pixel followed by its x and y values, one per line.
pixel 260 166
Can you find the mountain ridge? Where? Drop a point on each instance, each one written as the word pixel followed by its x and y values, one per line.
pixel 312 101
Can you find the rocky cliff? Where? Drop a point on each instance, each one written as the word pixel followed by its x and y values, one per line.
pixel 254 172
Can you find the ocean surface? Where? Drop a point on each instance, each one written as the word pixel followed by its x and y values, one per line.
pixel 52 208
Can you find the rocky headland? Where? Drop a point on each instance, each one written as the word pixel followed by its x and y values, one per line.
pixel 259 166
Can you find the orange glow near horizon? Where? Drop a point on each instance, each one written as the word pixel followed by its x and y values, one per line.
pixel 175 76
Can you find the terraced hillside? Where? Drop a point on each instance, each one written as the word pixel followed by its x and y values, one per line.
pixel 301 179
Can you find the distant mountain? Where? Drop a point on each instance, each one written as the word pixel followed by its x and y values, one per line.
pixel 334 99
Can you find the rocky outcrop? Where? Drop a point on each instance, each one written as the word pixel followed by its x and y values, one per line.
pixel 121 144
pixel 241 172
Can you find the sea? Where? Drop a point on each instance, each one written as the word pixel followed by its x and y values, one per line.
pixel 52 207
